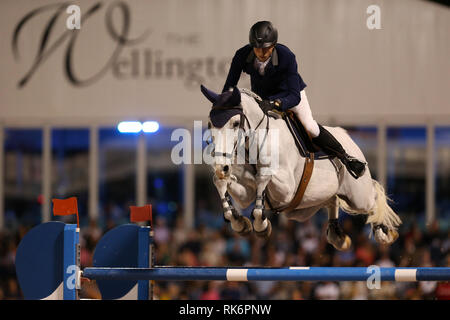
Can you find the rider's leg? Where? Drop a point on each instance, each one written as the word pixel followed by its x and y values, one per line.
pixel 324 139
pixel 304 114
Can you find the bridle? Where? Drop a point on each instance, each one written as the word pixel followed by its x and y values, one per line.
pixel 242 121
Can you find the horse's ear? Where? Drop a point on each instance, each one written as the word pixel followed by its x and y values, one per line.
pixel 210 95
pixel 235 98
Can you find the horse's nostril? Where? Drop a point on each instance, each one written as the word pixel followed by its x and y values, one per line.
pixel 226 168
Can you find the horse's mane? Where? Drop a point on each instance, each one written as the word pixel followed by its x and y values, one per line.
pixel 250 93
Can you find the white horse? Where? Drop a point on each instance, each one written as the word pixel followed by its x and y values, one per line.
pixel 331 186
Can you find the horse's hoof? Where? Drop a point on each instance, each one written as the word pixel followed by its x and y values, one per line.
pixel 265 234
pixel 384 235
pixel 247 228
pixel 343 244
pixel 338 239
pixel 394 235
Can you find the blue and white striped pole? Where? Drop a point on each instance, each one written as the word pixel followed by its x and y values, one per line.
pixel 267 274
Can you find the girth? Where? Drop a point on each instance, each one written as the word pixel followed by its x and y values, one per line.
pixel 306 175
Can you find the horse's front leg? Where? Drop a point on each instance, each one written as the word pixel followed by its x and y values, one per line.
pixel 239 223
pixel 261 225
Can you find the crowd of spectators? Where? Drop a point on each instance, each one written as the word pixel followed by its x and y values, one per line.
pixel 212 243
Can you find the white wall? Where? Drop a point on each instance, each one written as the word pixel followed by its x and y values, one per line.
pixel 398 73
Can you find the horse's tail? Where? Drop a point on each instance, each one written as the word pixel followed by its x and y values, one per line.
pixel 382 213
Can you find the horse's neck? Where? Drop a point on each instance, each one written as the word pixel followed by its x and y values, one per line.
pixel 253 113
pixel 286 141
pixel 256 117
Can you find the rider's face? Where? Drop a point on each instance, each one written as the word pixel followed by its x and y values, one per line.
pixel 263 53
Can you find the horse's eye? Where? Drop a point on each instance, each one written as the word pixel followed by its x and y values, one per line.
pixel 236 124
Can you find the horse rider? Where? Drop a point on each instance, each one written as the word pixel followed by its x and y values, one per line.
pixel 274 77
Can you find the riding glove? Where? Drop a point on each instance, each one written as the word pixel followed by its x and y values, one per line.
pixel 266 105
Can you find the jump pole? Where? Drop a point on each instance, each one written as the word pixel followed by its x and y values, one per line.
pixel 164 273
pixel 48 263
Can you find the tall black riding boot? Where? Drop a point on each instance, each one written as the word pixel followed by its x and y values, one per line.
pixel 332 147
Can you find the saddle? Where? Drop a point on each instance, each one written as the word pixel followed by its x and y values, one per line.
pixel 307 150
pixel 302 139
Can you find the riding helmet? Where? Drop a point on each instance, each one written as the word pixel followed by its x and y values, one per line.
pixel 263 35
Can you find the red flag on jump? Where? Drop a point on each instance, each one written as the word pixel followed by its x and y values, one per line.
pixel 139 214
pixel 65 207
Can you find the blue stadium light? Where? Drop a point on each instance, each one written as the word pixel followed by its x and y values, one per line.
pixel 129 127
pixel 150 126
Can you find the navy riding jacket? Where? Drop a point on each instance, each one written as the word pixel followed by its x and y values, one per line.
pixel 281 79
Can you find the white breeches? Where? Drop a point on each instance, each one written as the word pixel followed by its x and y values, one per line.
pixel 303 112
